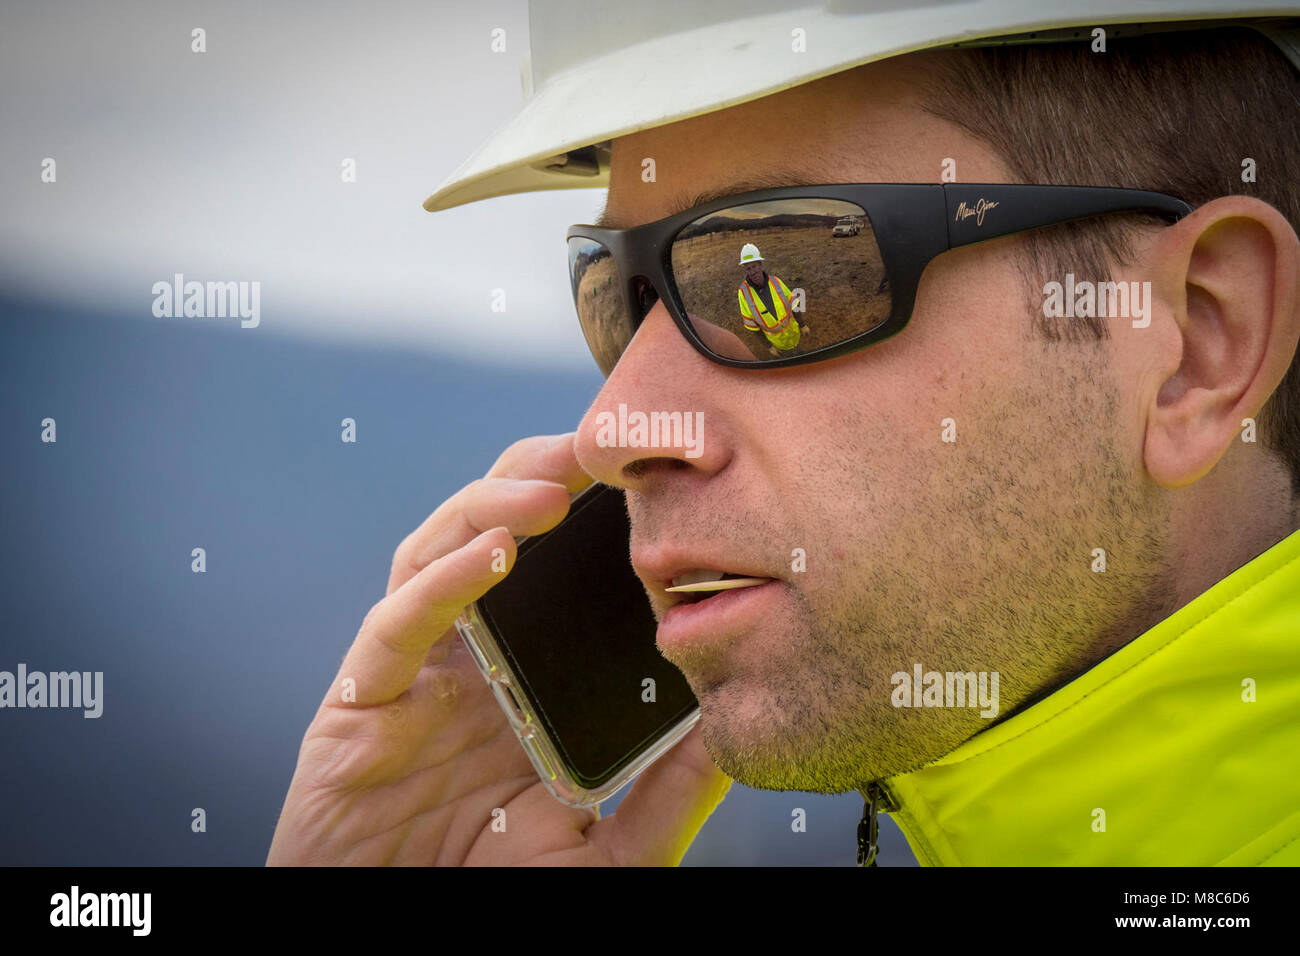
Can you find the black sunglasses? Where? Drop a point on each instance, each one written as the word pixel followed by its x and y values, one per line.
pixel 780 277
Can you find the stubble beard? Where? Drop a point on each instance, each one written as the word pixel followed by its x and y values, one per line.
pixel 974 578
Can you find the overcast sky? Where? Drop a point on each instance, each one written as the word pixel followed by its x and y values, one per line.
pixel 226 166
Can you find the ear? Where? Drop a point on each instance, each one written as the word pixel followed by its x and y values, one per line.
pixel 1227 275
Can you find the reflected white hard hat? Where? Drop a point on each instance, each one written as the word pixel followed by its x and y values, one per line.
pixel 591 77
pixel 749 253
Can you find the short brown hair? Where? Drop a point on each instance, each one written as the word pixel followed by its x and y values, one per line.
pixel 1186 109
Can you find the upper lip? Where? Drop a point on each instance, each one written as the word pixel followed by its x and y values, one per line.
pixel 657 569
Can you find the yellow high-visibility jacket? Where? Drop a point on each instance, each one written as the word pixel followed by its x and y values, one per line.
pixel 782 329
pixel 1180 749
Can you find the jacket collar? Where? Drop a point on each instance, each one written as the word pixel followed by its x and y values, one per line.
pixel 1178 749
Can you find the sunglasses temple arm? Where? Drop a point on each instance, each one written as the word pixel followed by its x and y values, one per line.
pixel 978 213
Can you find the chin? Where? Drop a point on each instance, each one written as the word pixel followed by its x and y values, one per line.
pixel 774 734
pixel 750 737
pixel 761 766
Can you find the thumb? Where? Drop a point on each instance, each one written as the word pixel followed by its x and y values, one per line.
pixel 667 805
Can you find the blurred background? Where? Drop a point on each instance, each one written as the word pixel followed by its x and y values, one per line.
pixel 176 433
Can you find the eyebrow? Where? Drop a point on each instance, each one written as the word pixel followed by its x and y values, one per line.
pixel 770 180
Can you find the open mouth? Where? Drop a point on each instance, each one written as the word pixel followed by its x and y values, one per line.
pixel 702 583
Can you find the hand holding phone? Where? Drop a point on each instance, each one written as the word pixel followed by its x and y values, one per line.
pixel 567 643
pixel 411 760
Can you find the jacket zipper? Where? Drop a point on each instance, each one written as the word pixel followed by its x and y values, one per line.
pixel 876 798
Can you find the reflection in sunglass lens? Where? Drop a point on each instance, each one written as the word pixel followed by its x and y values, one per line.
pixel 602 308
pixel 771 280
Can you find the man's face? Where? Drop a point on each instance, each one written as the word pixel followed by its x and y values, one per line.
pixel 754 271
pixel 965 556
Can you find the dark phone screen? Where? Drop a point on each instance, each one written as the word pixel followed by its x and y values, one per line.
pixel 576 626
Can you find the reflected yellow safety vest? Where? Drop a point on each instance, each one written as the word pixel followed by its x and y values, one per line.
pixel 782 330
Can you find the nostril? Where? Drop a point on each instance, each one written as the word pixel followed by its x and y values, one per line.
pixel 639 469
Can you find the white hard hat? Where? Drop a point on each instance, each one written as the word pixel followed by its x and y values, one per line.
pixel 749 253
pixel 588 79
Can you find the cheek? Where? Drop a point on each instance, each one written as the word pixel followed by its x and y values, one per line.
pixel 968 340
pixel 973 297
pixel 902 427
pixel 899 398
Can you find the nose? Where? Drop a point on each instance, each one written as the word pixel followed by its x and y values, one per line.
pixel 658 414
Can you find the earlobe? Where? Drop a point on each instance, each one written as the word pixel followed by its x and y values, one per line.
pixel 1238 318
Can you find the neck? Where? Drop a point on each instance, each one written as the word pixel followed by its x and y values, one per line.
pixel 1236 515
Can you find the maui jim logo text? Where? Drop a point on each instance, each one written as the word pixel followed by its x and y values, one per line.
pixel 965 211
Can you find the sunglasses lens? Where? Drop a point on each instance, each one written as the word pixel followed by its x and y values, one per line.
pixel 771 280
pixel 602 309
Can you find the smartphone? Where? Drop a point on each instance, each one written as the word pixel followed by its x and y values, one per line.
pixel 566 641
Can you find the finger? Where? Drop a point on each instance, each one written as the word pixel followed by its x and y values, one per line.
pixel 396 635
pixel 545 458
pixel 524 507
pixel 667 805
pixel 550 457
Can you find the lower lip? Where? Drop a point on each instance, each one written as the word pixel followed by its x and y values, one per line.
pixel 724 614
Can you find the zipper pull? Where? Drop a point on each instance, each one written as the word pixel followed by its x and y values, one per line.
pixel 869 826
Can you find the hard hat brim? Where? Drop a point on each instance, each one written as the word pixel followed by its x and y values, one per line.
pixel 559 139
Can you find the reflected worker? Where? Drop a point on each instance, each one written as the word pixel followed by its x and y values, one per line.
pixel 765 303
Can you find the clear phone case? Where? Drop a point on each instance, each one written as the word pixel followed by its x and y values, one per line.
pixel 537 743
pixel 532 734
